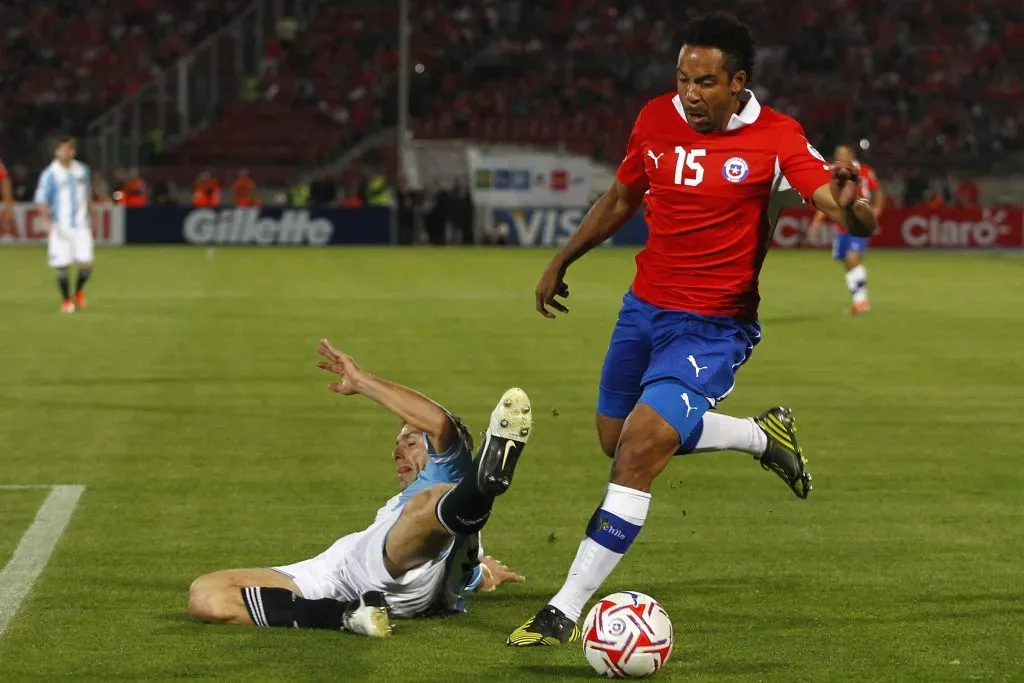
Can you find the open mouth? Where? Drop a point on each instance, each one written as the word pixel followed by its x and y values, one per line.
pixel 696 117
pixel 404 469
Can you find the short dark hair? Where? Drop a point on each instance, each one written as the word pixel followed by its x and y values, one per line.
pixel 723 31
pixel 62 138
pixel 467 438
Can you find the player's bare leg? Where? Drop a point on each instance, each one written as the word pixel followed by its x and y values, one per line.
pixel 84 272
pixel 418 536
pixel 856 282
pixel 769 437
pixel 216 598
pixel 264 597
pixel 647 445
pixel 608 431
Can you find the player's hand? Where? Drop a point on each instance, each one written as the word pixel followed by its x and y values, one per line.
pixel 551 285
pixel 342 365
pixel 844 183
pixel 496 573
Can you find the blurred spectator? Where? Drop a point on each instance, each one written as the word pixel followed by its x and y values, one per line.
pixel 323 191
pixel 351 197
pixel 101 193
pixel 206 192
pixel 134 191
pixel 300 195
pixel 436 219
pixel 378 191
pixel 160 193
pixel 407 202
pixel 938 193
pixel 21 184
pixel 967 193
pixel 244 189
pixel 120 180
pixel 915 186
pixel 460 211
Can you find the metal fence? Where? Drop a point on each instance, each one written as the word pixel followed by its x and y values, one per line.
pixel 191 93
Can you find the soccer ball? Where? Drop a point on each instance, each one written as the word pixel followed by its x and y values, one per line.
pixel 627 635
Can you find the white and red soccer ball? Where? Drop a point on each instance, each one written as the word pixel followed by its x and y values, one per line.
pixel 627 635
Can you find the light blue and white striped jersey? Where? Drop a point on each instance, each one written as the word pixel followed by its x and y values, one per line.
pixel 66 192
pixel 462 569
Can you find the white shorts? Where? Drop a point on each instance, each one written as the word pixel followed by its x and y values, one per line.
pixel 63 252
pixel 354 564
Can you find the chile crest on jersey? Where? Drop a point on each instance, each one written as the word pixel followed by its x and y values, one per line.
pixel 734 163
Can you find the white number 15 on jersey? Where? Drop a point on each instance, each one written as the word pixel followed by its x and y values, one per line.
pixel 689 161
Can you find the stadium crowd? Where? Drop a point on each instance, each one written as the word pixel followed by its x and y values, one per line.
pixel 895 72
pixel 934 86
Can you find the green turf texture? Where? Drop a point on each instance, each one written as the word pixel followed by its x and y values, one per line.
pixel 187 400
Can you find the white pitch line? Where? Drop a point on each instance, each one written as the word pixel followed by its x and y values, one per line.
pixel 34 550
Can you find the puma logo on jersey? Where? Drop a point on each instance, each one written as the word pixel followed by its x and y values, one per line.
pixel 655 157
pixel 697 368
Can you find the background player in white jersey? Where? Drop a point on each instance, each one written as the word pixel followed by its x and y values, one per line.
pixel 847 248
pixel 422 553
pixel 64 199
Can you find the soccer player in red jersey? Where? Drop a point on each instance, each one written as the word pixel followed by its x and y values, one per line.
pixel 7 195
pixel 710 160
pixel 846 247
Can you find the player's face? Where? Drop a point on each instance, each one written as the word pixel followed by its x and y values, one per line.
pixel 410 455
pixel 844 153
pixel 65 152
pixel 705 88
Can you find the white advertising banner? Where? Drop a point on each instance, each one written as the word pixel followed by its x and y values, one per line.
pixel 527 179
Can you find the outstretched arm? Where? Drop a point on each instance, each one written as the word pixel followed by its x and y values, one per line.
pixel 410 406
pixel 605 218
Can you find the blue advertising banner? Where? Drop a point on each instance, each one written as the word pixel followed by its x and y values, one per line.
pixel 552 227
pixel 257 226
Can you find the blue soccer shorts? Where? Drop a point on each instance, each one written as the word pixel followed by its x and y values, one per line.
pixel 681 364
pixel 843 243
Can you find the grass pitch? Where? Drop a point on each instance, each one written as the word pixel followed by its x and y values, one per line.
pixel 187 400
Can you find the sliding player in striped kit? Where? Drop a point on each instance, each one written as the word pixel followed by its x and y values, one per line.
pixel 63 197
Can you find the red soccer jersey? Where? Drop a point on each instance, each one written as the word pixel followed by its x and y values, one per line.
pixel 707 201
pixel 3 170
pixel 868 181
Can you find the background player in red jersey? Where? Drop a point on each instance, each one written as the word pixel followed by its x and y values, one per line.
pixel 846 247
pixel 7 195
pixel 708 159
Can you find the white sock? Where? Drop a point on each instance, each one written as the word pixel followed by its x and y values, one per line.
pixel 857 283
pixel 611 530
pixel 727 433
